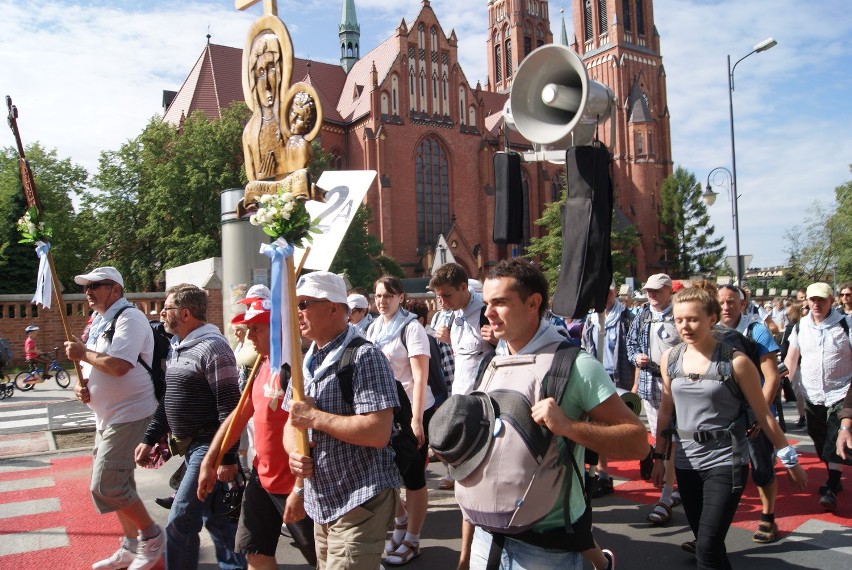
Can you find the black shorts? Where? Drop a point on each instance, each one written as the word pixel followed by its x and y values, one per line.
pixel 260 519
pixel 414 478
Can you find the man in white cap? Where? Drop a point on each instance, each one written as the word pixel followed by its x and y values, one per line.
pixel 651 333
pixel 822 339
pixel 273 495
pixel 120 392
pixel 359 315
pixel 351 485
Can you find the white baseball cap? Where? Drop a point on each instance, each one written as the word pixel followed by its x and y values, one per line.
pixel 100 274
pixel 356 301
pixel 255 293
pixel 322 285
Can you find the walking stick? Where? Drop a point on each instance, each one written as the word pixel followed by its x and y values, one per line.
pixel 30 194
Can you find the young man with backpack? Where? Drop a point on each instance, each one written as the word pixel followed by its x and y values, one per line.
pixel 119 391
pixel 761 453
pixel 824 342
pixel 517 298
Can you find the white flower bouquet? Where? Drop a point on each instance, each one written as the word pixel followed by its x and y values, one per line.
pixel 281 215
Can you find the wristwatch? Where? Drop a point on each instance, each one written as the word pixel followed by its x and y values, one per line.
pixel 299 491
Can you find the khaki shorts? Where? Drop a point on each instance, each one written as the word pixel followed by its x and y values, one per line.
pixel 356 540
pixel 113 487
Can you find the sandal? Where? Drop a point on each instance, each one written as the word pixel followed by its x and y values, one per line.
pixel 390 545
pixel 766 532
pixel 401 558
pixel 661 514
pixel 689 546
pixel 676 499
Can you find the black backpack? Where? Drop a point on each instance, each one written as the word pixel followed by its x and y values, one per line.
pixel 403 441
pixel 162 346
pixel 741 342
pixel 437 379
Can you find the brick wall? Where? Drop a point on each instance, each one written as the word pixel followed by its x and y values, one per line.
pixel 16 313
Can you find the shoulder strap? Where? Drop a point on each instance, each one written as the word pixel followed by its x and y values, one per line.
pixel 344 370
pixel 749 334
pixel 674 358
pixel 402 335
pixel 483 366
pixel 110 331
pixel 560 371
pixel 844 324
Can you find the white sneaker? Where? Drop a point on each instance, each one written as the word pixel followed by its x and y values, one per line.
pixel 149 552
pixel 121 558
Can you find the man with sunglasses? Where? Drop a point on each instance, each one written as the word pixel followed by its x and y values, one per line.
pixel 202 389
pixel 351 480
pixel 119 391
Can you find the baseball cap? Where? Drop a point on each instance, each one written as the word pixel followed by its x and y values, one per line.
pixel 322 285
pixel 658 281
pixel 356 301
pixel 256 292
pixel 822 290
pixel 257 312
pixel 106 273
pixel 31 328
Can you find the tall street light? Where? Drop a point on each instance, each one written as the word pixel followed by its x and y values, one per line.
pixel 766 44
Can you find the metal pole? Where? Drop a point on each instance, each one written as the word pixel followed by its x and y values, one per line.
pixel 734 174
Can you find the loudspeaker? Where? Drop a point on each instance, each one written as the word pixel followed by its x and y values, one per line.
pixel 508 199
pixel 553 102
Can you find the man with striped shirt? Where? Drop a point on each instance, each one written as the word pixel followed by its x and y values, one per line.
pixel 201 392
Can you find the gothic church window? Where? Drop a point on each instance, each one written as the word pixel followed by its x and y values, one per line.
pixel 602 18
pixel 432 176
pixel 625 10
pixel 640 18
pixel 587 20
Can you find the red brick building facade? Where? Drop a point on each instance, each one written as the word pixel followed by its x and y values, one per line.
pixel 406 110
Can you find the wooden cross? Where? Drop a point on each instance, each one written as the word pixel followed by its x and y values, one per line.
pixel 270 7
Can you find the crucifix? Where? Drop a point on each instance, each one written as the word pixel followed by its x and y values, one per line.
pixel 269 6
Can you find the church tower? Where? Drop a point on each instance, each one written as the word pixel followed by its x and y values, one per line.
pixel 515 28
pixel 620 47
pixel 350 36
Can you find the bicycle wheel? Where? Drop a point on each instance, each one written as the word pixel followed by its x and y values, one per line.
pixel 21 381
pixel 63 379
pixel 10 388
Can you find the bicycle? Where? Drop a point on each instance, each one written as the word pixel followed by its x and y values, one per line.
pixel 7 387
pixel 27 380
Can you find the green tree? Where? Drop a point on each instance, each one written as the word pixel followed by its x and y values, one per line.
pixel 840 222
pixel 56 180
pixel 812 246
pixel 157 204
pixel 689 246
pixel 548 247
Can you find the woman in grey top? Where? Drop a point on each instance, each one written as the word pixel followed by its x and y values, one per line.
pixel 707 383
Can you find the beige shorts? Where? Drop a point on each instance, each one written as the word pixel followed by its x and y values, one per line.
pixel 113 486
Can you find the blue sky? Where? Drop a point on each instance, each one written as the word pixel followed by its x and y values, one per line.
pixel 88 75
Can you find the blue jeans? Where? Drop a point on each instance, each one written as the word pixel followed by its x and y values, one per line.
pixel 710 506
pixel 519 555
pixel 187 516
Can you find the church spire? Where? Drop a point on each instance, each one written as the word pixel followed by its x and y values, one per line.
pixel 564 31
pixel 350 36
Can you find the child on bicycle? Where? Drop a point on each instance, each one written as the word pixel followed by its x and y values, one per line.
pixel 31 353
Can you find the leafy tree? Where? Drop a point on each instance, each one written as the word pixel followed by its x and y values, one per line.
pixel 812 246
pixel 840 222
pixel 56 179
pixel 548 248
pixel 158 201
pixel 689 247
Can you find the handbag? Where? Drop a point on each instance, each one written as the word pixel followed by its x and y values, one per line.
pixel 227 497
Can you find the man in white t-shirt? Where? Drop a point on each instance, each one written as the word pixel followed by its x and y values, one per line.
pixel 120 392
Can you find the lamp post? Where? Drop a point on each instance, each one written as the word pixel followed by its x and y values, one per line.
pixel 766 44
pixel 709 197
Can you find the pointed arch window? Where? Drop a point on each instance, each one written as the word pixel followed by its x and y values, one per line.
pixel 395 95
pixel 498 63
pixel 433 39
pixel 602 17
pixel 432 176
pixel 625 12
pixel 421 36
pixel 539 36
pixel 587 20
pixel 508 59
pixel 462 105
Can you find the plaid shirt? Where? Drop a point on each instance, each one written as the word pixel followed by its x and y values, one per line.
pixel 639 342
pixel 346 475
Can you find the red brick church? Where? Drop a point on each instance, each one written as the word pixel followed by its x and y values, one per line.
pixel 406 109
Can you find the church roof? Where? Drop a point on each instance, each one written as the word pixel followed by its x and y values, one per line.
pixel 354 100
pixel 637 105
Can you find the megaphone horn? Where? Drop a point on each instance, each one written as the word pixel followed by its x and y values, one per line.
pixel 553 102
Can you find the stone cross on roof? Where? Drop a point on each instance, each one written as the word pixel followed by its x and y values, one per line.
pixel 269 6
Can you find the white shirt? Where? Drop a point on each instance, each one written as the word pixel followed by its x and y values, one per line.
pixel 468 347
pixel 128 398
pixel 417 342
pixel 826 359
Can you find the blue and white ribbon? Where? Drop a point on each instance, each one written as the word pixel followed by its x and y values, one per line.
pixel 279 319
pixel 44 280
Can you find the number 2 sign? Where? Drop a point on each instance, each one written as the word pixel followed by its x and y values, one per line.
pixel 345 191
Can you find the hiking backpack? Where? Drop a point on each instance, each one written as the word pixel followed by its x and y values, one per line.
pixel 162 346
pixel 437 379
pixel 523 472
pixel 403 441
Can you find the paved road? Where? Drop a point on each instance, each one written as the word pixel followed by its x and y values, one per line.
pixel 46 519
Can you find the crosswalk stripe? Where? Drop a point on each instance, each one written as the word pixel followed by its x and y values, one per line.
pixel 33 507
pixel 19 413
pixel 25 484
pixel 12 424
pixel 18 543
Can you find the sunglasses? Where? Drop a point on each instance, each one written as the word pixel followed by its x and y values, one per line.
pixel 303 305
pixel 96 285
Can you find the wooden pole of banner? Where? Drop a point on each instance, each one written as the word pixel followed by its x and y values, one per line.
pixel 28 183
pixel 297 379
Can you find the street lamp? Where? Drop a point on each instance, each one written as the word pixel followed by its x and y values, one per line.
pixel 766 44
pixel 717 176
